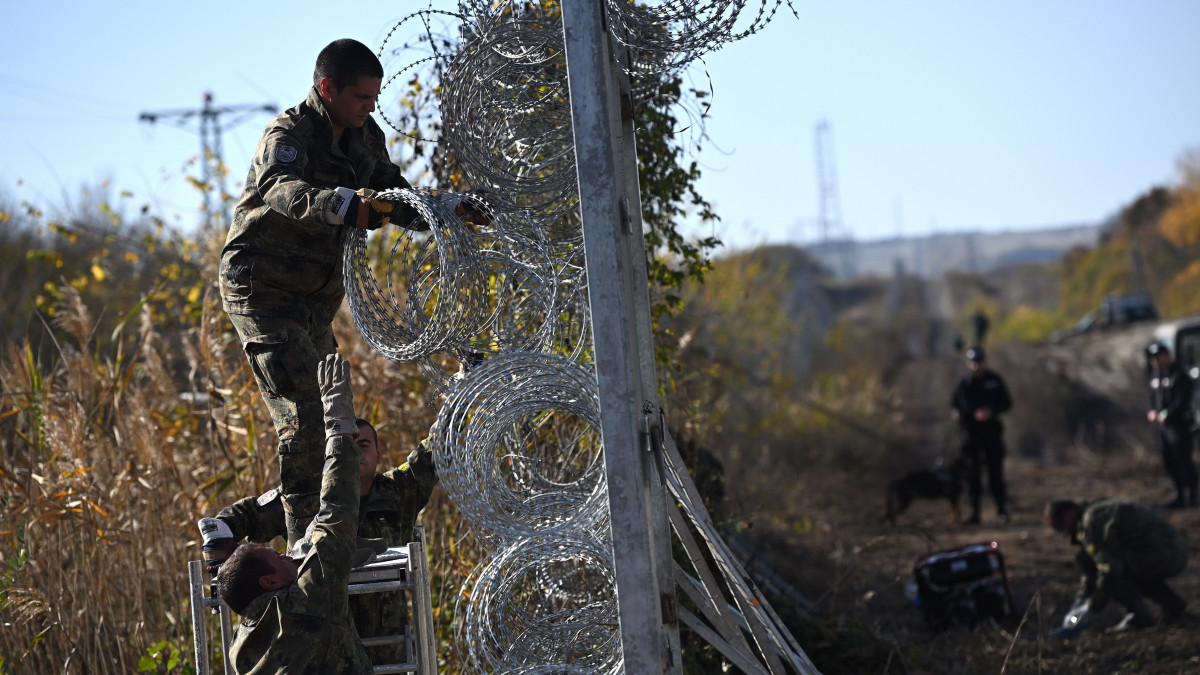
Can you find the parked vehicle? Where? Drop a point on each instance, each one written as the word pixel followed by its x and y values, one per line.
pixel 1116 309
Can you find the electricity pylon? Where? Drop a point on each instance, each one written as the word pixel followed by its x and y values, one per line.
pixel 212 166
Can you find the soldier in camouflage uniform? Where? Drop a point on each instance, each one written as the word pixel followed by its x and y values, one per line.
pixel 388 508
pixel 295 615
pixel 281 267
pixel 1127 551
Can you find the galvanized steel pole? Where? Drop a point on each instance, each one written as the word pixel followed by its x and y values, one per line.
pixel 618 295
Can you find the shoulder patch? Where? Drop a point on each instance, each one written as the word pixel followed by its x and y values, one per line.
pixel 266 497
pixel 286 153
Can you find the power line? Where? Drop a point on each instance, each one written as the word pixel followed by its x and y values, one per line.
pixel 211 162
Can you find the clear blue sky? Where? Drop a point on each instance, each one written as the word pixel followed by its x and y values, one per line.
pixel 945 115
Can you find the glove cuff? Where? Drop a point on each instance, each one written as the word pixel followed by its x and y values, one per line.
pixel 339 427
pixel 212 529
pixel 341 205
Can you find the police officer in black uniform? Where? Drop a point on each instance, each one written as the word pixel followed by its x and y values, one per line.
pixel 1171 413
pixel 978 398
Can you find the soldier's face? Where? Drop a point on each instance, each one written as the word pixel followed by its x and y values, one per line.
pixel 350 107
pixel 369 462
pixel 284 569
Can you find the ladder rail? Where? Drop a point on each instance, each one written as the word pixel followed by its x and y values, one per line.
pixel 410 573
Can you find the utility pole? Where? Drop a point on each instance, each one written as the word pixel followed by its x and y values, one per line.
pixel 212 167
pixel 603 125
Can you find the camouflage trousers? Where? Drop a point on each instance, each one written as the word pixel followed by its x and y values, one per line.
pixel 283 354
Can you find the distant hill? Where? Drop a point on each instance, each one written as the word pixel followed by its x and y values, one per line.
pixel 932 255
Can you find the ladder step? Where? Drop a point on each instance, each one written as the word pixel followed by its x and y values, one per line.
pixel 383 640
pixel 394 668
pixel 377 587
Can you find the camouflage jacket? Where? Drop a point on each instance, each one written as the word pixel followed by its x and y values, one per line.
pixel 1126 540
pixel 387 512
pixel 283 253
pixel 306 627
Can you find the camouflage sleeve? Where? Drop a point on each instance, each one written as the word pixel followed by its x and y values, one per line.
pixel 258 519
pixel 415 480
pixel 1102 542
pixel 420 464
pixel 279 163
pixel 421 473
pixel 325 572
pixel 387 175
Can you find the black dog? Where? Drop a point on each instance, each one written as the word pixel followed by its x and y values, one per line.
pixel 944 482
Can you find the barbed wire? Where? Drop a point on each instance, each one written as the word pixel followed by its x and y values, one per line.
pixel 434 284
pixel 517 441
pixel 669 34
pixel 517 446
pixel 520 617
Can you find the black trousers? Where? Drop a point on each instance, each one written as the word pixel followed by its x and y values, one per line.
pixel 979 453
pixel 1176 445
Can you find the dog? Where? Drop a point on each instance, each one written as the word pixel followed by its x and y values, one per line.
pixel 942 482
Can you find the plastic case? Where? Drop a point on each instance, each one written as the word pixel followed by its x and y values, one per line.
pixel 962 586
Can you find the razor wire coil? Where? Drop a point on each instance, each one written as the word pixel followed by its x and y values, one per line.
pixel 517 440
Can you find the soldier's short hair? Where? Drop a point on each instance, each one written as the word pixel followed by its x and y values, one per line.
pixel 1056 511
pixel 237 581
pixel 374 432
pixel 344 61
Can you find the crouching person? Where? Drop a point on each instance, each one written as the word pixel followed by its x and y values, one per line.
pixel 1127 552
pixel 389 503
pixel 295 616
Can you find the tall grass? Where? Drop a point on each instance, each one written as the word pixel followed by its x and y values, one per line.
pixel 105 466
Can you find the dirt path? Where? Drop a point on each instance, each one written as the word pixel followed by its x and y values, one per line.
pixel 1040 572
pixel 833 547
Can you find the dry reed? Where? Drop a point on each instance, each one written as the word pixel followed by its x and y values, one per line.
pixel 109 454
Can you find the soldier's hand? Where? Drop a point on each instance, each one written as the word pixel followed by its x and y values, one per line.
pixel 333 377
pixel 466 209
pixel 1078 618
pixel 368 213
pixel 218 543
